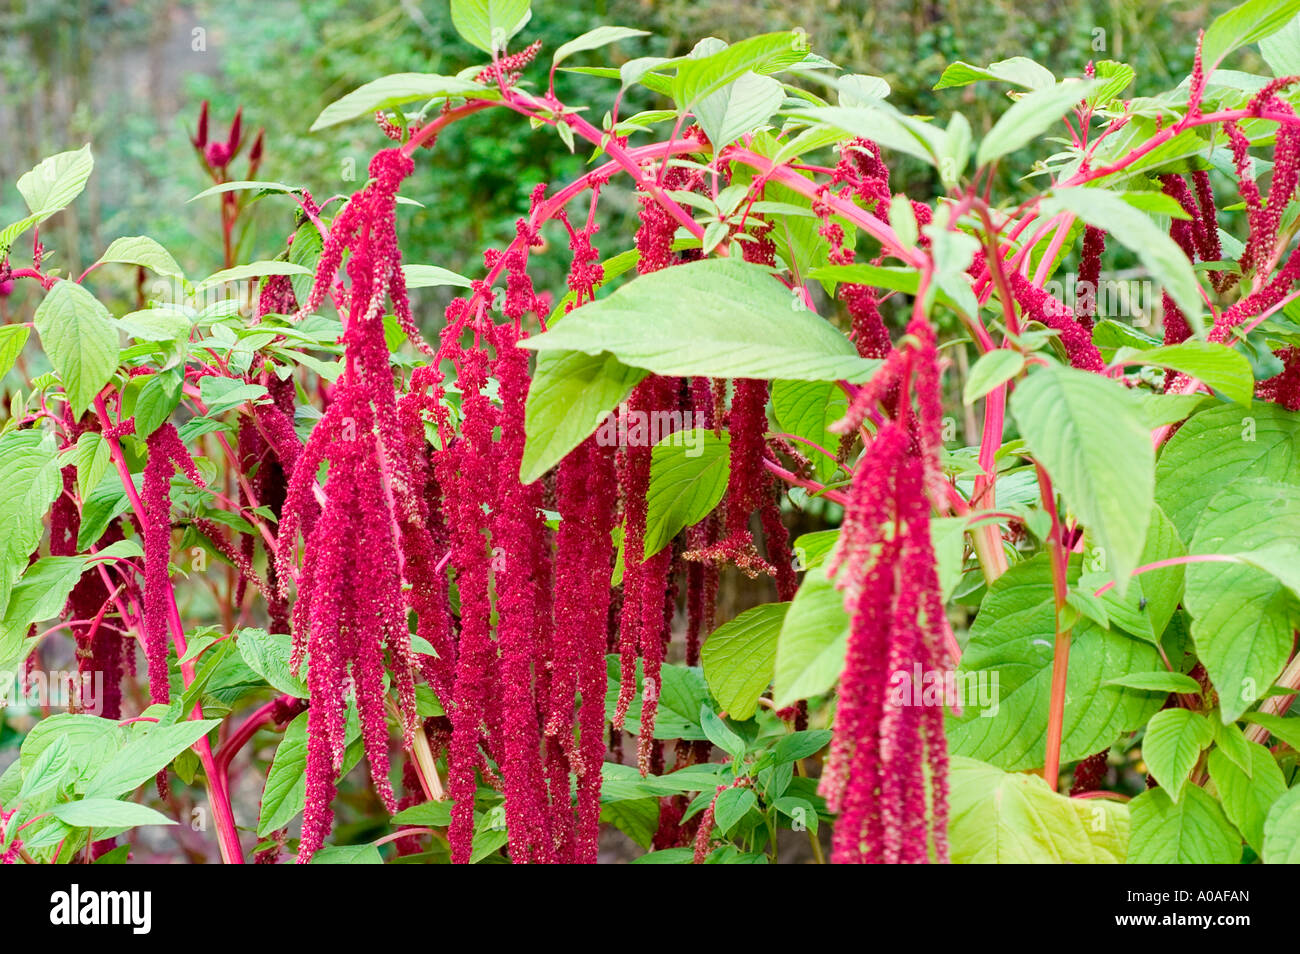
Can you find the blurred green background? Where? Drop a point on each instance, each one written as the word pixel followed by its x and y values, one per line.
pixel 128 76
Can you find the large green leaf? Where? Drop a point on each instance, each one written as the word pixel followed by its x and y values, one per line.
pixel 1243 617
pixel 1137 231
pixel 286 782
pixel 1011 642
pixel 1085 430
pixel 267 654
pixel 998 817
pixel 1191 831
pixel 1282 830
pixel 1282 50
pixel 145 756
pixel 814 637
pixel 29 483
pixel 1248 798
pixel 1152 597
pixel 1244 24
pixel 1218 446
pixel 698 77
pixel 1172 745
pixel 739 658
pixel 717 317
pixel 567 400
pixel 688 477
pixel 80 339
pixel 594 39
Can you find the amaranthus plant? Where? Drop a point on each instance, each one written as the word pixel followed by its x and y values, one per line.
pixel 1041 450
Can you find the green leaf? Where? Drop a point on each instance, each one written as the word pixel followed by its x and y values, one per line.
pixel 1172 746
pixel 251 270
pixel 245 185
pixel 1218 446
pixel 1282 830
pixel 814 636
pixel 1085 431
pixel 157 398
pixel 688 478
pixel 145 756
pixel 884 125
pixel 732 805
pixel 682 693
pixel 1138 232
pixel 1191 831
pixel 1011 646
pixel 1243 617
pixel 1019 70
pixel 38 595
pixel 807 409
pixel 593 40
pixel 347 855
pixel 638 818
pixel 719 733
pixel 489 24
pixel 429 814
pixel 267 654
pixel 92 462
pixel 998 817
pixel 12 340
pixel 739 658
pixel 739 108
pixel 56 181
pixel 1152 597
pixel 48 771
pixel 431 276
pixel 1244 24
pixel 1031 116
pixel 107 813
pixel 163 325
pixel 993 368
pixel 225 394
pixel 1247 797
pixel 1281 728
pixel 78 335
pixel 143 251
pixel 1281 51
pixel 698 77
pixel 397 90
pixel 1231 742
pixel 286 782
pixel 718 317
pixel 567 400
pixel 29 483
pixel 1158 681
pixel 1217 365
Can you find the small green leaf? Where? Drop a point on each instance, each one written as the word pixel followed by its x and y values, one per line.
pixel 720 734
pixel 1219 366
pixel 489 24
pixel 56 181
pixel 688 478
pixel 732 805
pixel 593 40
pixel 1158 681
pixel 992 369
pixel 1247 797
pixel 143 251
pixel 267 654
pixel 107 813
pixel 1282 830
